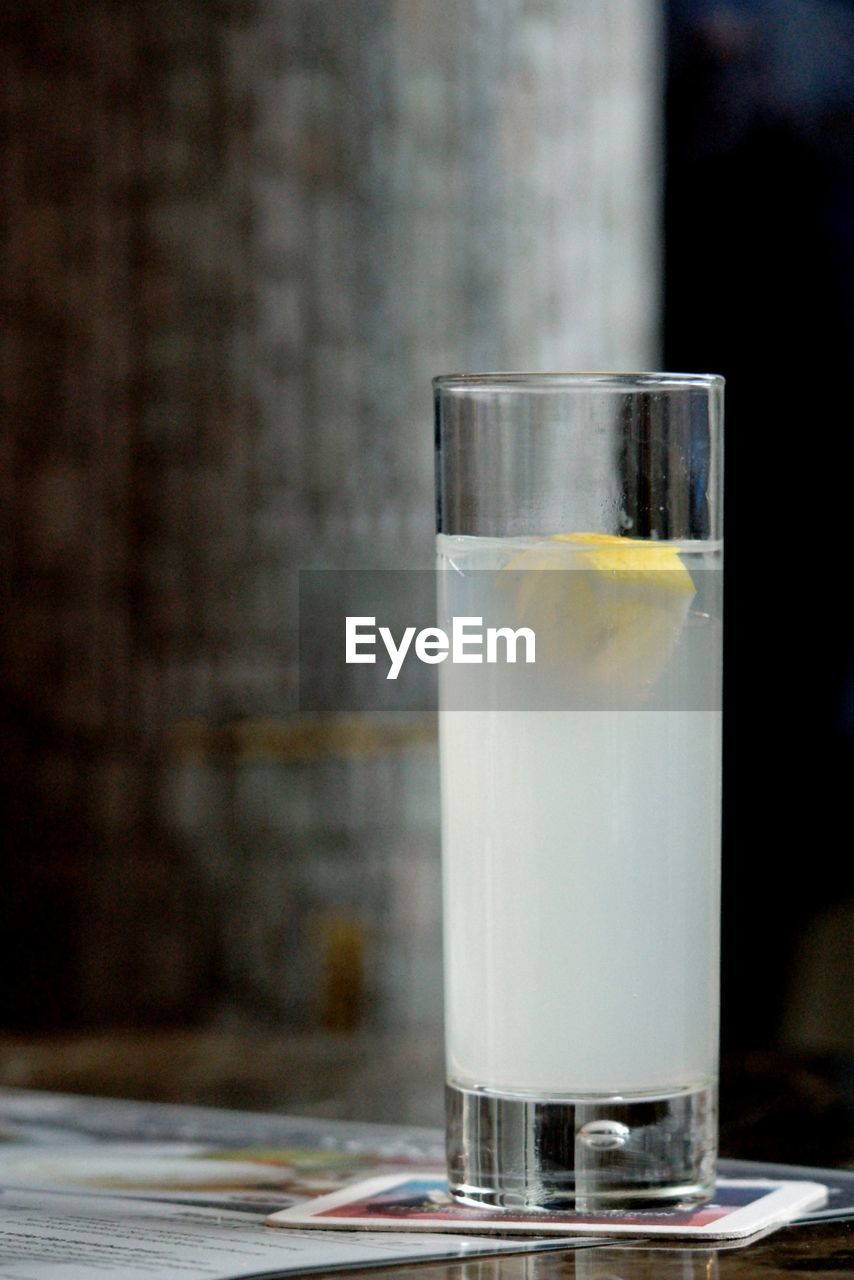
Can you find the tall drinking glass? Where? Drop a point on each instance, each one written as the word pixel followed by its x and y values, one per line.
pixel 581 791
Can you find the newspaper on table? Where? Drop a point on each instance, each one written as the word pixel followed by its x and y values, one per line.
pixel 102 1190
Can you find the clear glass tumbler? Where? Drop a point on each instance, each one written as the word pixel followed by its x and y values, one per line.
pixel 581 794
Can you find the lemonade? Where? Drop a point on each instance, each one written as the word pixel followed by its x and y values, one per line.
pixel 581 820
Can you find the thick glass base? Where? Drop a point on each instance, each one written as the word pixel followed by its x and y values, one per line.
pixel 513 1151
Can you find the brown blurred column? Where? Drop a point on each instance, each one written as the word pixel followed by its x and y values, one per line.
pixel 242 235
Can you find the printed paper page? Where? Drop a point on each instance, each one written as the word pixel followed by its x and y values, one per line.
pixel 56 1235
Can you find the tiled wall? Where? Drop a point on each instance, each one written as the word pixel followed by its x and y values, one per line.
pixel 241 237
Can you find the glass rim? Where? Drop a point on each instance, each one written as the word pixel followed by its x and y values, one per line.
pixel 569 381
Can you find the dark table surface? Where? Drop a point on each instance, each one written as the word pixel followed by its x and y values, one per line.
pixel 804 1251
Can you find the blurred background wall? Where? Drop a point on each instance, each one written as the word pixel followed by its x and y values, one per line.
pixel 242 235
pixel 760 284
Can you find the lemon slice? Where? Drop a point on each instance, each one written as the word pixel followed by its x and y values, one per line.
pixel 608 624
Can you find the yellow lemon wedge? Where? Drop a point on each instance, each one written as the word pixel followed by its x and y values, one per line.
pixel 608 624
